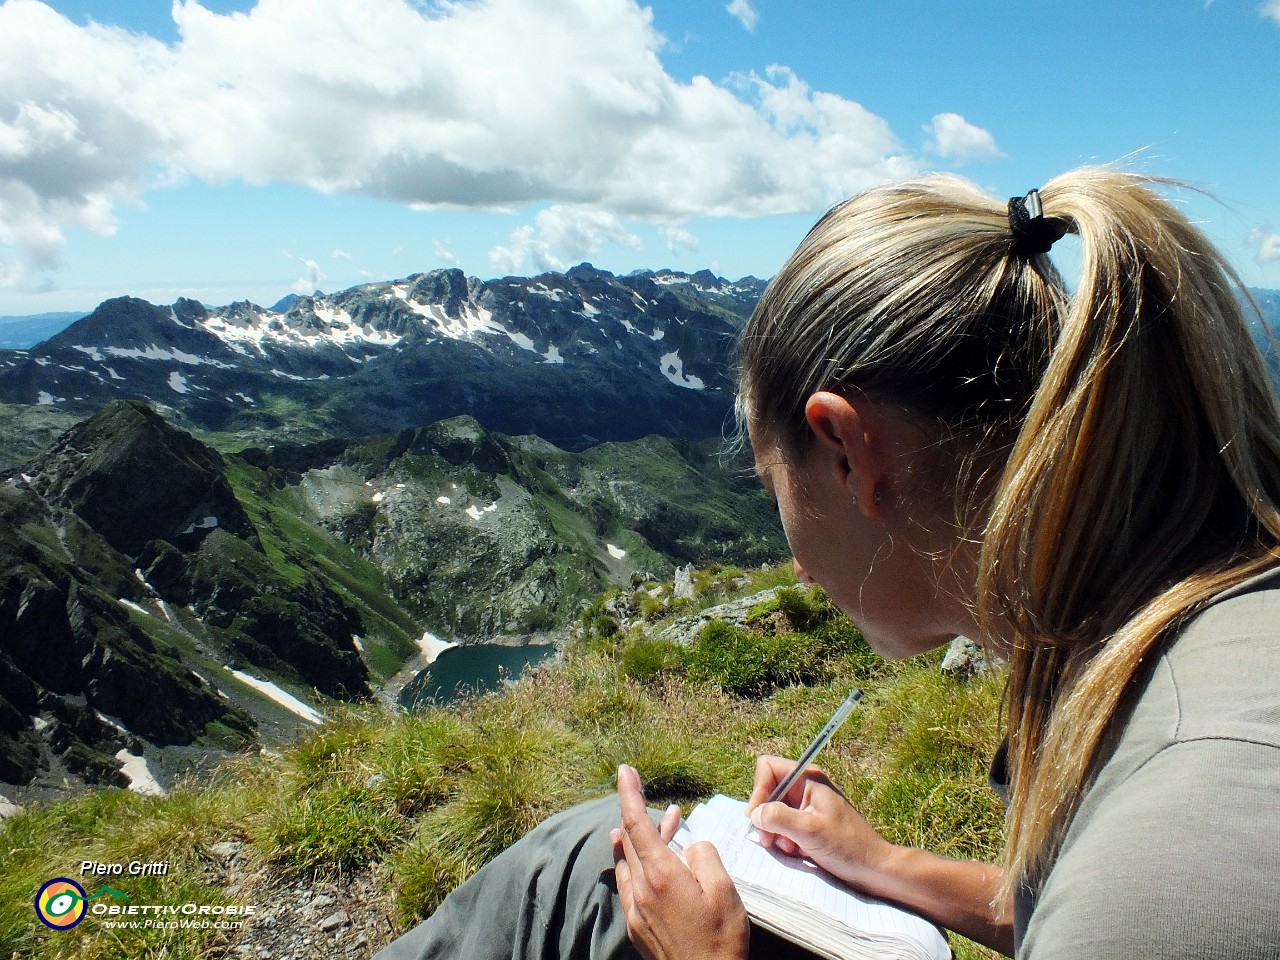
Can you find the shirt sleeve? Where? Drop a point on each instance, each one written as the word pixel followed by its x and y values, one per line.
pixel 1180 860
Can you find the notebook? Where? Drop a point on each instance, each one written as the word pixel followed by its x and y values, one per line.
pixel 802 902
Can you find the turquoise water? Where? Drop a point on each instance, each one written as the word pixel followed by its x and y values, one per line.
pixel 475 666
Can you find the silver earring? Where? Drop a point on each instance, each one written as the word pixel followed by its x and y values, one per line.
pixel 855 499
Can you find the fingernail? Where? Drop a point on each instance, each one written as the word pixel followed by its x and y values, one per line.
pixel 756 817
pixel 674 808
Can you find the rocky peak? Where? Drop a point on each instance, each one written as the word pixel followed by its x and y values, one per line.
pixel 127 455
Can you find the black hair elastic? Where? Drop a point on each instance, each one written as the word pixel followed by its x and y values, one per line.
pixel 1033 232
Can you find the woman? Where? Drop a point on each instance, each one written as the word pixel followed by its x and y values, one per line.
pixel 1090 482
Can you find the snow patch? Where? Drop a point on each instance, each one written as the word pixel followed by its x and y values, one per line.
pixel 39 724
pixel 332 326
pixel 475 512
pixel 552 355
pixel 92 352
pixel 109 722
pixel 47 399
pixel 133 606
pixel 152 352
pixel 178 383
pixel 140 777
pixel 432 646
pixel 543 290
pixel 208 523
pixel 672 368
pixel 444 500
pixel 521 341
pixel 379 497
pixel 470 322
pixel 286 700
pixel 616 552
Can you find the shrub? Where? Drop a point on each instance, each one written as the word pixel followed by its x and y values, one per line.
pixel 729 656
pixel 646 659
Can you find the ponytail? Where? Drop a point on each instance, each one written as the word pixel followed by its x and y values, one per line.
pixel 1145 480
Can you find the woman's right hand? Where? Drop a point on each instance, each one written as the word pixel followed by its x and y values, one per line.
pixel 816 821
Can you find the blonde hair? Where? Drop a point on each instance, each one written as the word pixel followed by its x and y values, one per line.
pixel 1116 450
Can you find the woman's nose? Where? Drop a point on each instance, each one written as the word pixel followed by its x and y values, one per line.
pixel 802 575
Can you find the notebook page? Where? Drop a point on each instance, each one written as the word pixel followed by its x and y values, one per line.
pixel 790 881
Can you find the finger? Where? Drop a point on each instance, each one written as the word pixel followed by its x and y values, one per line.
pixel 622 876
pixel 640 833
pixel 670 823
pixel 704 860
pixel 770 771
pixel 709 870
pixel 785 825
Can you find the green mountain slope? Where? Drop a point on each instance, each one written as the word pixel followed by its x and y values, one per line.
pixel 481 535
pixel 177 597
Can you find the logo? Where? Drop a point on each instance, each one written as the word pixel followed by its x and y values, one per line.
pixel 62 903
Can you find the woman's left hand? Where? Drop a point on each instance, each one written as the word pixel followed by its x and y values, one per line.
pixel 675 909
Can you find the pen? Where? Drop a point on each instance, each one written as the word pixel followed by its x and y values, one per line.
pixel 820 741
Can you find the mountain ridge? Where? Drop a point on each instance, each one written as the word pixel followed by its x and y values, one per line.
pixel 577 357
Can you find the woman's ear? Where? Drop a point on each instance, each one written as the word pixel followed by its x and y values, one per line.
pixel 851 442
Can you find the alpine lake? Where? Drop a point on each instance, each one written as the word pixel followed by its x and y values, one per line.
pixel 472 667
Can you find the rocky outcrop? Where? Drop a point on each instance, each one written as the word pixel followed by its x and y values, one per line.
pixel 105 469
pixel 79 680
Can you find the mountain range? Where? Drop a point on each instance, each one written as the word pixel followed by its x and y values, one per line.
pixel 576 358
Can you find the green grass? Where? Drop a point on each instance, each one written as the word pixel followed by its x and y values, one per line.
pixel 426 798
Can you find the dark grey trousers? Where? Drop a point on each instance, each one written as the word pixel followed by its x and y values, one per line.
pixel 551 896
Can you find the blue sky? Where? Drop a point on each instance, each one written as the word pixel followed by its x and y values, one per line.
pixel 233 149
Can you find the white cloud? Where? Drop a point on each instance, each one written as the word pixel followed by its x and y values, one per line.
pixel 1271 9
pixel 952 137
pixel 679 239
pixel 310 280
pixel 744 12
pixel 490 104
pixel 1266 244
pixel 560 237
pixel 340 254
pixel 446 255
